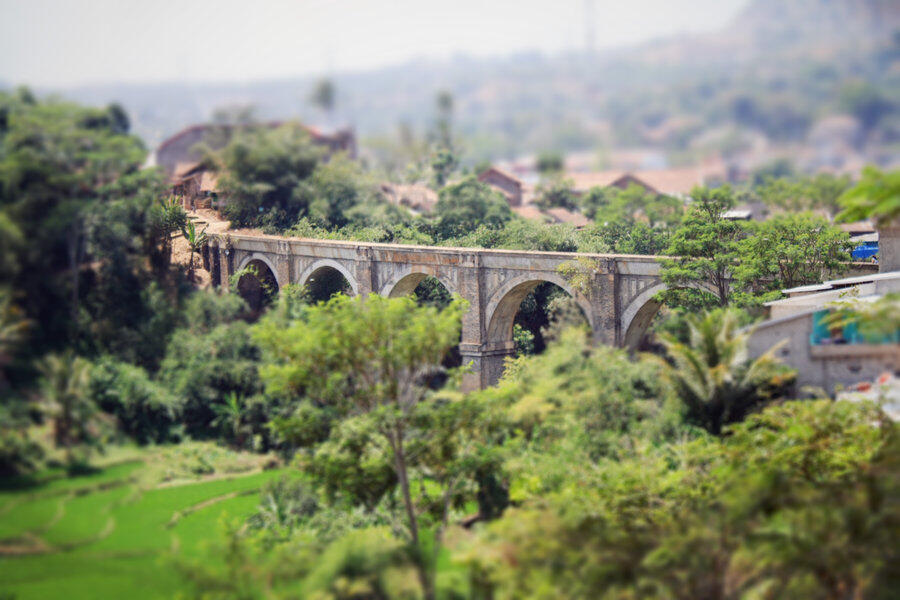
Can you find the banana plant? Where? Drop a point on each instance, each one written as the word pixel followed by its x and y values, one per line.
pixel 195 240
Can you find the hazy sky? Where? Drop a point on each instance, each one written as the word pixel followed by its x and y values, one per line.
pixel 69 42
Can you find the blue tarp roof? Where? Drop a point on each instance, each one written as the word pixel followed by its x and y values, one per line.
pixel 864 251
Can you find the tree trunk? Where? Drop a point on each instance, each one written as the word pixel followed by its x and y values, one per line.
pixel 73 243
pixel 396 439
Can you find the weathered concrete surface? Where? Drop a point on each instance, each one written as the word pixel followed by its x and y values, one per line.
pixel 889 246
pixel 826 367
pixel 619 304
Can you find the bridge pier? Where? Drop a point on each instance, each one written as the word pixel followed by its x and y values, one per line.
pixel 487 364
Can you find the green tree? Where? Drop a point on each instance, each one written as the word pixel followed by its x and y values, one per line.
pixel 65 385
pixel 196 240
pixel 790 250
pixel 230 416
pixel 444 123
pixel 341 192
pixel 555 191
pixel 465 205
pixel 797 194
pixel 143 409
pixel 324 95
pixel 876 196
pixel 614 206
pixel 795 503
pixel 13 329
pixel 623 238
pixel 166 217
pixel 209 359
pixel 265 175
pixel 549 163
pixel 706 245
pixel 713 375
pixel 443 164
pixel 71 185
pixel 368 358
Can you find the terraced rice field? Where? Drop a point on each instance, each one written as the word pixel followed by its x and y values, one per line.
pixel 107 536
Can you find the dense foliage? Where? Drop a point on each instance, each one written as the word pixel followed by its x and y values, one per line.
pixel 585 472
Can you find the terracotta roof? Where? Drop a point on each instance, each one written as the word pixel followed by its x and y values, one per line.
pixel 674 181
pixel 184 169
pixel 314 133
pixel 857 228
pixel 564 215
pixel 585 181
pixel 530 212
pixel 209 182
pixel 499 172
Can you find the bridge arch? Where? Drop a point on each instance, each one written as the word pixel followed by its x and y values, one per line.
pixel 258 288
pixel 405 284
pixel 322 266
pixel 638 314
pixel 501 309
pixel 262 258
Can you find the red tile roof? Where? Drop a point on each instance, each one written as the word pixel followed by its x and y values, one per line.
pixel 531 212
pixel 564 215
pixel 500 172
pixel 675 182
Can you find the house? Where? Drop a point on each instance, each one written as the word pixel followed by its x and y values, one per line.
pixel 180 148
pixel 196 185
pixel 559 214
pixel 748 211
pixel 826 356
pixel 531 212
pixel 507 184
pixel 671 182
pixel 582 182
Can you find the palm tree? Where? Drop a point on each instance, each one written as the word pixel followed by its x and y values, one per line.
pixel 168 217
pixel 713 374
pixel 196 240
pixel 231 416
pixel 324 96
pixel 12 331
pixel 65 393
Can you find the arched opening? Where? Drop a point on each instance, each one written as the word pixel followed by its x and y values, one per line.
pixel 645 314
pixel 533 312
pixel 325 282
pixel 428 291
pixel 638 335
pixel 257 285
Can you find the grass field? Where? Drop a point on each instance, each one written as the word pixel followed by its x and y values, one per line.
pixel 111 533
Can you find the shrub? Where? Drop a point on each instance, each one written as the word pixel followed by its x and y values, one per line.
pixel 144 409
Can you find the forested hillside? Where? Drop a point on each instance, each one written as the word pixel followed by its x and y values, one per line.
pixel 777 70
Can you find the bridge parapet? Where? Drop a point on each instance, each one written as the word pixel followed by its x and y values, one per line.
pixel 493 281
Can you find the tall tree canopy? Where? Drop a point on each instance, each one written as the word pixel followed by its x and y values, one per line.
pixel 706 245
pixel 88 219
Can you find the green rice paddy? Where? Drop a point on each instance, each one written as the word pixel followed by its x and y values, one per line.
pixel 107 535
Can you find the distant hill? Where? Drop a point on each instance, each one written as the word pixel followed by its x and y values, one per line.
pixel 779 68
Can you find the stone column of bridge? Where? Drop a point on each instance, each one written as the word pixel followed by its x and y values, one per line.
pixel 472 347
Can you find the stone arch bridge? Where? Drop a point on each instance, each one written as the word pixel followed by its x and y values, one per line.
pixel 619 303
